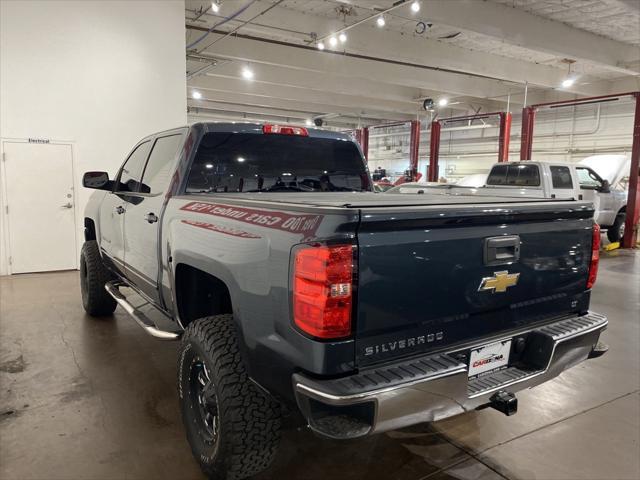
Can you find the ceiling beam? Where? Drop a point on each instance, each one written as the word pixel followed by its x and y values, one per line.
pixel 520 28
pixel 392 70
pixel 204 113
pixel 258 51
pixel 414 49
pixel 251 111
pixel 278 75
pixel 313 109
pixel 288 93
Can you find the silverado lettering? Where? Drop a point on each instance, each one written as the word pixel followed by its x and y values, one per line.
pixel 403 343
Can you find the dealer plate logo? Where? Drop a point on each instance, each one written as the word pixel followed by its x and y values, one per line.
pixel 499 282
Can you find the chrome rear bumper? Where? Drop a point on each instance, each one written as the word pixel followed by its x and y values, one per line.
pixel 435 387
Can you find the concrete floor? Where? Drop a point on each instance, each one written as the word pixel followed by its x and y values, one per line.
pixel 96 399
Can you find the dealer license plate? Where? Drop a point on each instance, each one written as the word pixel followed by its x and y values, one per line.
pixel 489 358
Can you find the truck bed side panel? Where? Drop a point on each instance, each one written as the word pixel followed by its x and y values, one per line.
pixel 247 245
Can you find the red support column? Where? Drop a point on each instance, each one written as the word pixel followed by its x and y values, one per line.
pixel 505 136
pixel 357 134
pixel 434 151
pixel 633 200
pixel 414 149
pixel 528 119
pixel 364 142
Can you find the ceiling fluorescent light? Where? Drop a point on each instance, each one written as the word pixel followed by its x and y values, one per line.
pixel 247 73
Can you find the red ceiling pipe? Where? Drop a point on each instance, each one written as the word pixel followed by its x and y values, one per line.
pixel 386 125
pixel 476 116
pixel 633 200
pixel 505 135
pixel 528 119
pixel 434 151
pixel 414 149
pixel 578 101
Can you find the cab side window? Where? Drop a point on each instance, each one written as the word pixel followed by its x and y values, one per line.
pixel 131 172
pixel 157 173
pixel 561 177
pixel 588 179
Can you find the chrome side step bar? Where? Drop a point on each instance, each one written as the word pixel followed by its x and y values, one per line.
pixel 140 318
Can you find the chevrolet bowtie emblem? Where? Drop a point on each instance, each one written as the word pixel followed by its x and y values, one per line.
pixel 499 282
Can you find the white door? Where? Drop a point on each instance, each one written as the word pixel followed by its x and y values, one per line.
pixel 40 207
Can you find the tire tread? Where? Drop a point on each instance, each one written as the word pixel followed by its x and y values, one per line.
pixel 99 302
pixel 250 415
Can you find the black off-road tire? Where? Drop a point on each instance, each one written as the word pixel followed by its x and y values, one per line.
pixel 93 276
pixel 616 231
pixel 247 433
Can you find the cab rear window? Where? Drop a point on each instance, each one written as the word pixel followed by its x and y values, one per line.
pixel 250 162
pixel 515 175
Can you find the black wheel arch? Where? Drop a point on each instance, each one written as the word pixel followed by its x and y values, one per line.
pixel 199 294
pixel 89 229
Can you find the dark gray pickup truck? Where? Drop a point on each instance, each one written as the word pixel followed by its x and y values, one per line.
pixel 295 290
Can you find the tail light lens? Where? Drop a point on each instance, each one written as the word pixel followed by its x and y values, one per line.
pixel 595 256
pixel 285 130
pixel 323 290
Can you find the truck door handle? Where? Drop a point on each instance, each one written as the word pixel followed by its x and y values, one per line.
pixel 151 217
pixel 67 205
pixel 119 209
pixel 501 250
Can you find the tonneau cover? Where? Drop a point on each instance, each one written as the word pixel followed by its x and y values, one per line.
pixel 367 199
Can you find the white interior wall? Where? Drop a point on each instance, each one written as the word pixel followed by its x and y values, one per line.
pixel 561 134
pixel 99 75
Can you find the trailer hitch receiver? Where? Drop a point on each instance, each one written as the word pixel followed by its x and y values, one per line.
pixel 505 402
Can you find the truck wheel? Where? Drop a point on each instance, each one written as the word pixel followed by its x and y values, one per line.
pixel 93 276
pixel 232 426
pixel 616 231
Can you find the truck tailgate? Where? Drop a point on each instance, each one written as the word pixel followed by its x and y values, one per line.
pixel 425 281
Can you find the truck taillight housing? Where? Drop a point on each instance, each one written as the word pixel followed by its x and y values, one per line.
pixel 323 289
pixel 595 256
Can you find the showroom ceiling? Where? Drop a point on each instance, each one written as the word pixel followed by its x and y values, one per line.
pixel 470 54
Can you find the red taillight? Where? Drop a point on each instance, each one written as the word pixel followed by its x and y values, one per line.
pixel 323 290
pixel 595 256
pixel 285 130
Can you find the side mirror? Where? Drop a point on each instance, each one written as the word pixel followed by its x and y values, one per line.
pixel 605 188
pixel 97 180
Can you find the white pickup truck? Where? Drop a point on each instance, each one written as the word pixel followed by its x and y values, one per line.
pixel 558 180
